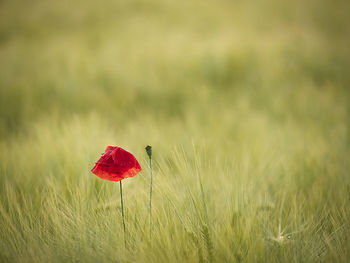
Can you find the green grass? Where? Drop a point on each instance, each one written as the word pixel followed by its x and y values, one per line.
pixel 246 106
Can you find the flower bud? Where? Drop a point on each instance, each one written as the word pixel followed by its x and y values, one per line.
pixel 149 151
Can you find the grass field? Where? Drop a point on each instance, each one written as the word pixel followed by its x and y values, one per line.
pixel 246 105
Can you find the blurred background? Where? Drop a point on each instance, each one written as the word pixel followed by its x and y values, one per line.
pixel 259 86
pixel 186 64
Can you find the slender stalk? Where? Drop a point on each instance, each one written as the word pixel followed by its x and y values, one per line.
pixel 150 199
pixel 149 153
pixel 122 205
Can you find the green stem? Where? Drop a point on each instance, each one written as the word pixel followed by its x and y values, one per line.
pixel 122 205
pixel 150 199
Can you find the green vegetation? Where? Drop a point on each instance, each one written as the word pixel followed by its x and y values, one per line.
pixel 246 106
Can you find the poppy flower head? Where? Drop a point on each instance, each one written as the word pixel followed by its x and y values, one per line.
pixel 116 164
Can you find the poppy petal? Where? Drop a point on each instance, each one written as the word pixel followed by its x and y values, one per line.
pixel 116 164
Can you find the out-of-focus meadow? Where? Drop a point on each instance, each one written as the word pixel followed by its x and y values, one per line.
pixel 248 99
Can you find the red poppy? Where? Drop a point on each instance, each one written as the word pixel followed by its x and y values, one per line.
pixel 116 164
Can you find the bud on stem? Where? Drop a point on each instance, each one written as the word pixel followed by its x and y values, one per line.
pixel 149 151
